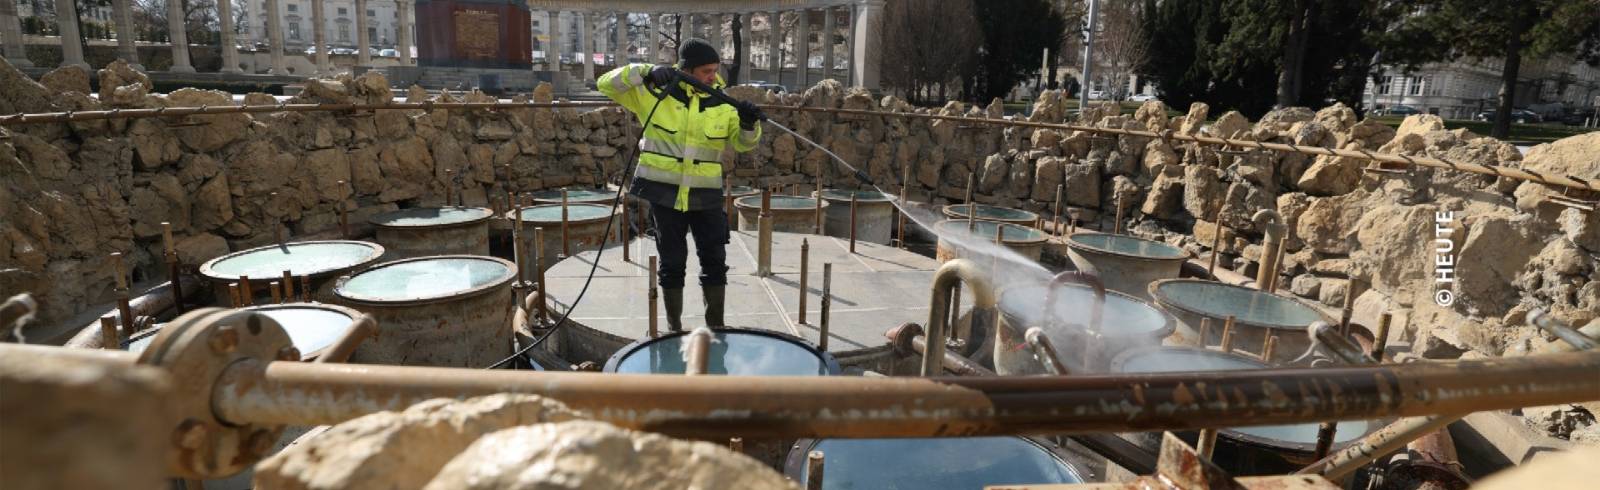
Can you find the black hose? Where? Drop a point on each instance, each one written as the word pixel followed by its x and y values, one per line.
pixel 544 289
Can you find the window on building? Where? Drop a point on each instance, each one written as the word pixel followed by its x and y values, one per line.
pixel 294 30
pixel 344 32
pixel 1416 86
pixel 294 8
pixel 1383 84
pixel 372 33
pixel 344 11
pixel 370 13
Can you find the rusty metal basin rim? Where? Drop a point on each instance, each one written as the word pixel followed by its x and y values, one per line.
pixel 592 213
pixel 1160 292
pixel 209 268
pixel 508 272
pixel 417 218
pixel 1077 241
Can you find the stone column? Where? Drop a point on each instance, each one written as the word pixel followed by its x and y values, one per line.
pixel 597 32
pixel 127 36
pixel 177 35
pixel 403 30
pixel 715 36
pixel 744 38
pixel 552 53
pixel 850 46
pixel 864 59
pixel 230 55
pixel 689 28
pixel 827 42
pixel 586 46
pixel 274 37
pixel 656 54
pixel 363 44
pixel 11 34
pixel 71 45
pixel 774 46
pixel 619 45
pixel 802 49
pixel 319 36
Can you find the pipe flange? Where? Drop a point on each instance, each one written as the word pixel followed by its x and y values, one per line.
pixel 900 338
pixel 195 349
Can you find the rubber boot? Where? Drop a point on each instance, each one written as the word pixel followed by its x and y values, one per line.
pixel 674 302
pixel 714 299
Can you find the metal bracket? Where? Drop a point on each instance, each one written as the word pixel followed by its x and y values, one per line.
pixel 195 349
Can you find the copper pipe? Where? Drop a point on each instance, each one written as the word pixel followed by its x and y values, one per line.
pixel 109 338
pixel 727 406
pixel 805 268
pixel 566 240
pixel 827 302
pixel 539 265
pixel 1055 214
pixel 233 295
pixel 972 208
pixel 945 279
pixel 1283 250
pixel 655 296
pixel 305 288
pixel 697 351
pixel 277 295
pixel 1227 335
pixel 362 328
pixel 246 293
pixel 1498 171
pixel 1542 319
pixel 814 470
pixel 1382 341
pixel 1349 308
pixel 1266 268
pixel 1046 352
pixel 288 286
pixel 736 444
pixel 907 340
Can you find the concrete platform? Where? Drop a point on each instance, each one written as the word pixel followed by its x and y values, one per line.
pixel 875 289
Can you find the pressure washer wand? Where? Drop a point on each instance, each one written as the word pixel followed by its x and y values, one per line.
pixel 723 96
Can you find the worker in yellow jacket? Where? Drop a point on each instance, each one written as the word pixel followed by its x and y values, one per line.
pixel 680 165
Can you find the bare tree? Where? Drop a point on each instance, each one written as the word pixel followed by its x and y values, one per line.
pixel 927 44
pixel 200 19
pixel 1120 44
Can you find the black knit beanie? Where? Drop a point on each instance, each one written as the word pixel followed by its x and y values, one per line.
pixel 695 53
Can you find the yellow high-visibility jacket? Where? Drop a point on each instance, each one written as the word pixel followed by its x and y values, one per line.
pixel 680 155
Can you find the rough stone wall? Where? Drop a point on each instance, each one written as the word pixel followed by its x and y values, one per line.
pixel 76 192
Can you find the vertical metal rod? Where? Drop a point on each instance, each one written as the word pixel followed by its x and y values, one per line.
pixel 1055 213
pixel 1216 241
pixel 852 222
pixel 827 301
pixel 727 205
pixel 1116 226
pixel 1348 310
pixel 736 444
pixel 109 338
pixel 816 229
pixel 123 308
pixel 1283 249
pixel 697 357
pixel 305 288
pixel 805 266
pixel 344 221
pixel 566 247
pixel 905 202
pixel 814 470
pixel 1205 332
pixel 972 208
pixel 1381 341
pixel 1325 433
pixel 1207 443
pixel 277 294
pixel 174 267
pixel 654 297
pixel 764 236
pixel 538 264
pixel 1072 224
pixel 233 295
pixel 1227 335
pixel 955 312
pixel 246 293
pixel 626 225
pixel 1045 351
pixel 518 249
pixel 1268 348
pixel 288 287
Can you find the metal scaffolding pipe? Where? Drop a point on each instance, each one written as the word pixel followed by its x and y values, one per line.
pixel 1542 319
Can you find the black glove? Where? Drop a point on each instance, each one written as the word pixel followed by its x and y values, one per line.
pixel 661 76
pixel 749 114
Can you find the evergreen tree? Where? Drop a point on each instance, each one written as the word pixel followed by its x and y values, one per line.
pixel 1015 34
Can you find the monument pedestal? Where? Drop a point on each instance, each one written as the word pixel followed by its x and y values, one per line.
pixel 476 34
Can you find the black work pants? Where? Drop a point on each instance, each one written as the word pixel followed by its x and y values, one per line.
pixel 710 230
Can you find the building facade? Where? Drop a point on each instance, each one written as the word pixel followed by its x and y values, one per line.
pixel 339 24
pixel 1461 89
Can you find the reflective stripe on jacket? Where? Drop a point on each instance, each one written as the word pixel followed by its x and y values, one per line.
pixel 680 154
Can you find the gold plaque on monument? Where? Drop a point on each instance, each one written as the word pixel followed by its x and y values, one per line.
pixel 477 33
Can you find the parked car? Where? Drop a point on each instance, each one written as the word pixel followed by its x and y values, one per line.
pixel 391 53
pixel 1519 116
pixel 772 87
pixel 1401 110
pixel 1142 98
pixel 1096 95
